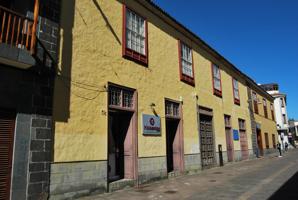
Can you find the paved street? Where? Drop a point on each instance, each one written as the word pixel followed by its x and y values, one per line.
pixel 264 178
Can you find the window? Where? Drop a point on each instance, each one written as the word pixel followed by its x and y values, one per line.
pixel 236 92
pixel 284 118
pixel 282 102
pixel 241 124
pixel 267 140
pixel 265 108
pixel 172 109
pixel 272 111
pixel 186 64
pixel 135 43
pixel 227 121
pixel 121 98
pixel 273 141
pixel 216 80
pixel 255 102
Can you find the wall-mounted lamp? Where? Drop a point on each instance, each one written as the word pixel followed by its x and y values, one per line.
pixel 152 106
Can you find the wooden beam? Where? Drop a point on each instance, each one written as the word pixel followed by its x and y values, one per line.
pixel 34 28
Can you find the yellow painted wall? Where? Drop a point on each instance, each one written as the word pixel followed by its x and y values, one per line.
pixel 268 125
pixel 91 56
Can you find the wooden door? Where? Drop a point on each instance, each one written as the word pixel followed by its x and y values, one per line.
pixel 7 123
pixel 230 145
pixel 207 142
pixel 243 145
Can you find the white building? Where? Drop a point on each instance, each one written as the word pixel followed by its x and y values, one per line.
pixel 280 110
pixel 293 128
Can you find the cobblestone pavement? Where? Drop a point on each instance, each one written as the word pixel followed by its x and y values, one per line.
pixel 254 179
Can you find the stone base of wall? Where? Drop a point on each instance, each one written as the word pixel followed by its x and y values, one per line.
pixel 192 163
pixel 152 169
pixel 72 180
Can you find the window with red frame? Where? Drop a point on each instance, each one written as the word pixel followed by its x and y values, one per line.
pixel 217 90
pixel 272 111
pixel 134 36
pixel 236 92
pixel 186 64
pixel 265 108
pixel 255 102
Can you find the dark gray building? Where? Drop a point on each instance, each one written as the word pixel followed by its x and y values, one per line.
pixel 29 32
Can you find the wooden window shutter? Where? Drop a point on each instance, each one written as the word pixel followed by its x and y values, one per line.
pixel 7 123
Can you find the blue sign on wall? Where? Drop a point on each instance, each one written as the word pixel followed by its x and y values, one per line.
pixel 235 134
pixel 151 125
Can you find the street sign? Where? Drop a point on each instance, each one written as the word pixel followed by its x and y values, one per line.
pixel 235 134
pixel 151 125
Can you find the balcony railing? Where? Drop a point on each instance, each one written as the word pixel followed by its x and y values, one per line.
pixel 16 30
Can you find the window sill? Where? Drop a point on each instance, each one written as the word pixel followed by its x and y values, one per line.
pixel 217 92
pixel 187 79
pixel 136 57
pixel 237 102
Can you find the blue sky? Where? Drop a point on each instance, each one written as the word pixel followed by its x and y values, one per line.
pixel 260 37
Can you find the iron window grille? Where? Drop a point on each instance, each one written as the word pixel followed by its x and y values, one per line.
pixel 120 97
pixel 172 109
pixel 242 124
pixel 227 121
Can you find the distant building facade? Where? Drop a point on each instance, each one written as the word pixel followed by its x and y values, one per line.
pixel 280 107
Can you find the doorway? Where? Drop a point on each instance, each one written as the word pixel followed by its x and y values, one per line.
pixel 172 133
pixel 122 133
pixel 174 137
pixel 229 138
pixel 230 146
pixel 207 141
pixel 260 142
pixel 119 124
pixel 7 124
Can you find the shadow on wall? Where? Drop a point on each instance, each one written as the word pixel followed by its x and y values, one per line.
pixel 63 79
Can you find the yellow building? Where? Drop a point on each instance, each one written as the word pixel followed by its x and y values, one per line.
pixel 139 97
pixel 264 121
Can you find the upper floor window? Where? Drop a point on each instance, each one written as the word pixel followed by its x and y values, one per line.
pixel 216 80
pixel 282 102
pixel 236 92
pixel 265 108
pixel 272 111
pixel 284 118
pixel 255 102
pixel 134 36
pixel 186 64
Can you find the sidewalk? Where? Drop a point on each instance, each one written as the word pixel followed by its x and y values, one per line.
pixel 252 179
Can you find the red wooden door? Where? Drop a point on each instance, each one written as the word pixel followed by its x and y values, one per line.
pixel 243 145
pixel 230 145
pixel 7 121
